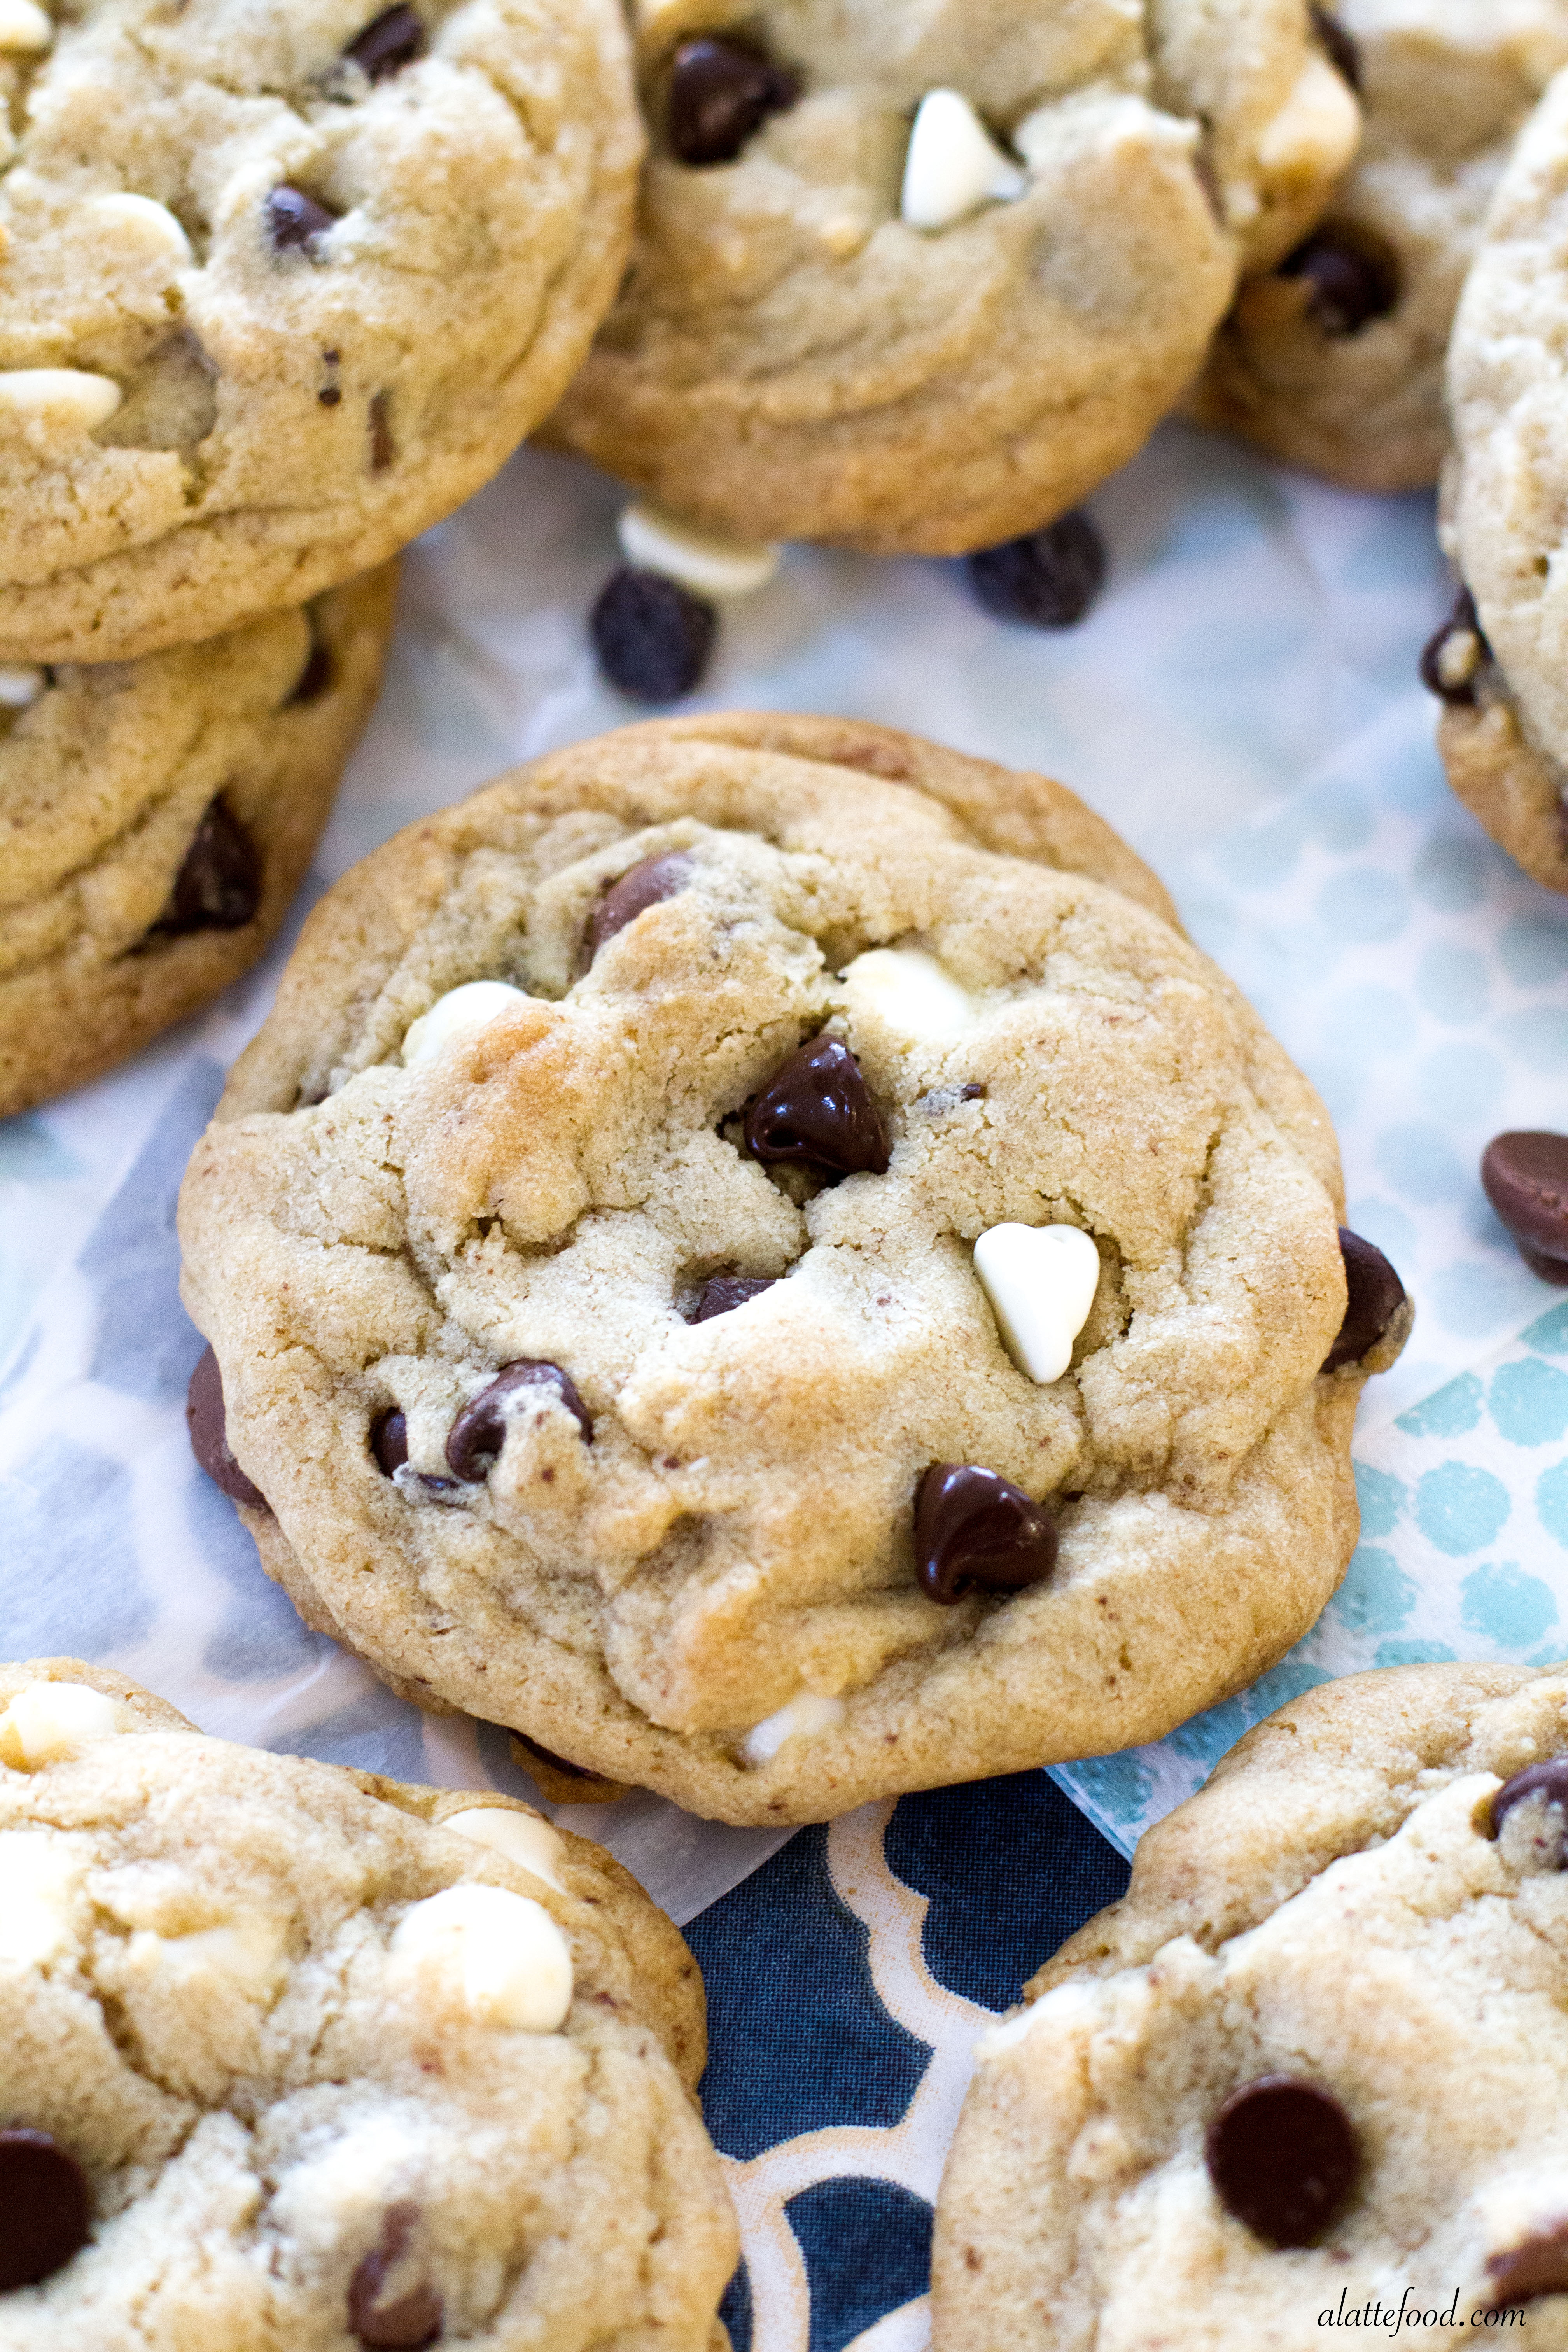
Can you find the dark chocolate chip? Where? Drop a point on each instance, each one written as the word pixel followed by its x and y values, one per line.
pixel 295 220
pixel 721 93
pixel 644 886
pixel 208 1426
pixel 1539 2265
pixel 389 1440
pixel 1453 654
pixel 1375 1295
pixel 1352 275
pixel 816 1107
pixel 1283 2157
pixel 383 448
pixel 1339 46
pixel 44 2208
pixel 1525 1177
pixel 388 43
pixel 412 2321
pixel 725 1292
pixel 652 636
pixel 315 677
pixel 480 1431
pixel 1048 579
pixel 977 1532
pixel 329 397
pixel 218 886
pixel 1547 1781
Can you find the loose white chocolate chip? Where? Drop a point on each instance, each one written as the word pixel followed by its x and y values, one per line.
pixel 459 1014
pixel 65 399
pixel 698 560
pixel 521 1837
pixel 21 683
pixel 1317 129
pixel 23 27
pixel 497 1956
pixel 1040 1281
pixel 909 991
pixel 953 165
pixel 39 1875
pixel 142 225
pixel 49 1722
pixel 800 1718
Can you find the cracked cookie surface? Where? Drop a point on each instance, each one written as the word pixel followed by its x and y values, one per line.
pixel 280 288
pixel 338 2062
pixel 472 1290
pixel 156 818
pixel 1368 1900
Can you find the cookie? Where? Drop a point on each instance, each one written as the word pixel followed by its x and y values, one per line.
pixel 282 286
pixel 1333 361
pixel 739 1256
pixel 852 314
pixel 1500 664
pixel 1314 2062
pixel 156 818
pixel 300 2055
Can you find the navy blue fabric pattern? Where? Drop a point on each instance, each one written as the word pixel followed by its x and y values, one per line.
pixel 868 2247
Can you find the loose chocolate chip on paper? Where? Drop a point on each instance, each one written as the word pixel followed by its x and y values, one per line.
pixel 1374 1296
pixel 413 2318
pixel 391 41
pixel 721 93
pixel 480 1431
pixel 1352 275
pixel 975 1531
pixel 817 1108
pixel 1525 1177
pixel 653 637
pixel 725 1292
pixel 45 2209
pixel 218 886
pixel 1339 46
pixel 1283 2157
pixel 1547 1781
pixel 208 1426
pixel 295 220
pixel 1452 658
pixel 1538 2265
pixel 1050 579
pixel 644 886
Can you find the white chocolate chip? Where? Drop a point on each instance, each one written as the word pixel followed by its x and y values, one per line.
pixel 459 1014
pixel 1318 129
pixel 49 1722
pixel 64 400
pixel 953 165
pixel 40 1876
pixel 140 225
pixel 23 27
pixel 698 560
pixel 521 1837
pixel 1066 2006
pixel 243 1956
pixel 21 683
pixel 800 1718
pixel 909 991
pixel 1040 1281
pixel 497 1956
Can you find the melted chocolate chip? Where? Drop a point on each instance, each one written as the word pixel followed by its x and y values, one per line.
pixel 1525 1177
pixel 1353 277
pixel 1547 1781
pixel 644 885
pixel 388 43
pixel 315 677
pixel 1374 1296
pixel 1283 2157
pixel 1538 2265
pixel 383 448
pixel 295 220
pixel 816 1107
pixel 1339 46
pixel 44 2208
pixel 389 1440
pixel 725 1292
pixel 208 1427
pixel 977 1532
pixel 480 1431
pixel 218 886
pixel 652 636
pixel 1453 654
pixel 721 93
pixel 414 2319
pixel 1048 579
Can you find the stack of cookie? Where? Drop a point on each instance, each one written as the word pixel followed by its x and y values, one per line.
pixel 279 288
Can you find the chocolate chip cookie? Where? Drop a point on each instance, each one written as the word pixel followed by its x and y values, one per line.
pixel 156 818
pixel 741 1255
pixel 281 287
pixel 1334 359
pixel 918 279
pixel 1312 2063
pixel 299 2055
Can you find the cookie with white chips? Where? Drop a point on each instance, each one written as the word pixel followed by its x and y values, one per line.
pixel 280 286
pixel 1312 2069
pixel 917 279
pixel 299 2055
